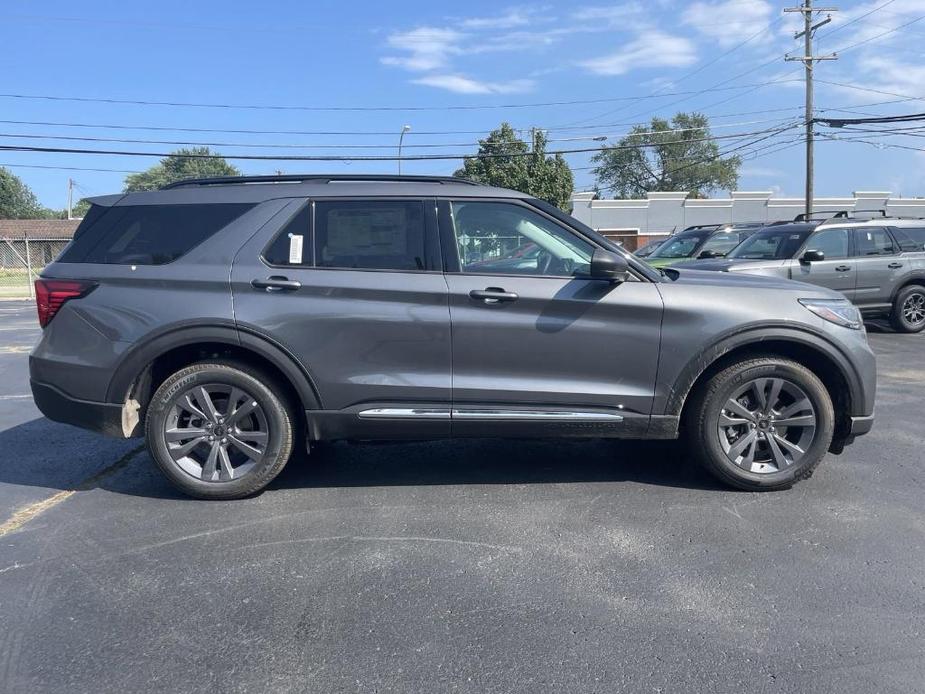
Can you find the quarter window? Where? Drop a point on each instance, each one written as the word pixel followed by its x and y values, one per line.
pixel 370 235
pixel 501 238
pixel 832 242
pixel 873 241
pixel 910 238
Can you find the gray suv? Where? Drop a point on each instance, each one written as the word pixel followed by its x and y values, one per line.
pixel 878 263
pixel 232 321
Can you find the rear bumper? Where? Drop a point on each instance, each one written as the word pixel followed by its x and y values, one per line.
pixel 102 417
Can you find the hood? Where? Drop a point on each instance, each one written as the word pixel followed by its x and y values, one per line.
pixel 731 264
pixel 678 275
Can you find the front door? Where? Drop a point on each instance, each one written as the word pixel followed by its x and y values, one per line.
pixel 354 290
pixel 538 346
pixel 838 271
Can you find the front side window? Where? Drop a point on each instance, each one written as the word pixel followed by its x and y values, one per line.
pixel 873 241
pixel 148 234
pixel 370 235
pixel 832 242
pixel 504 238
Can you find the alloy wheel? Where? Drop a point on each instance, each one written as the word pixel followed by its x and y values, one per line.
pixel 914 309
pixel 216 432
pixel 767 425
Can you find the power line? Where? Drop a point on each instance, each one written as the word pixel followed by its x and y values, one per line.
pixel 840 122
pixel 871 90
pixel 65 168
pixel 845 49
pixel 855 20
pixel 271 107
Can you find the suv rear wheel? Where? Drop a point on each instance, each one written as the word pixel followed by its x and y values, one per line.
pixel 217 432
pixel 762 424
pixel 908 314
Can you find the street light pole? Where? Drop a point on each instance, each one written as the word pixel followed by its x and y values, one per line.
pixel 404 129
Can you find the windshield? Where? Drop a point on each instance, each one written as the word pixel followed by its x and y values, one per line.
pixel 681 246
pixel 771 244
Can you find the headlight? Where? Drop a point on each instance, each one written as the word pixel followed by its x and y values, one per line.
pixel 839 311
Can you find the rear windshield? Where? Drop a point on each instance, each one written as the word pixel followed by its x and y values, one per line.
pixel 146 234
pixel 774 243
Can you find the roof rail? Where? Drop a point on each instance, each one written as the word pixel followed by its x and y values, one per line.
pixel 314 178
pixel 832 214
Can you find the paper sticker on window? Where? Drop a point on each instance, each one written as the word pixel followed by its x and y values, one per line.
pixel 295 249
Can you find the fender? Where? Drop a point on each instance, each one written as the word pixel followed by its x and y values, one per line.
pixel 915 277
pixel 755 334
pixel 222 331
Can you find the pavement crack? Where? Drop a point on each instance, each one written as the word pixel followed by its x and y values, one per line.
pixel 23 515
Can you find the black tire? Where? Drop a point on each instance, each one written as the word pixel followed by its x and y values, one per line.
pixel 275 415
pixel 898 318
pixel 707 405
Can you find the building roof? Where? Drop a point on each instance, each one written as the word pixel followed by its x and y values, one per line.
pixel 18 229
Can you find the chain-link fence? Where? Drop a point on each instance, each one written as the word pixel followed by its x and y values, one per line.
pixel 21 261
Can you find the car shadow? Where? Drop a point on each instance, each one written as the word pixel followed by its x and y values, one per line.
pixel 41 453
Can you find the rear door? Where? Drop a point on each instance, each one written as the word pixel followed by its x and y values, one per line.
pixel 839 269
pixel 879 269
pixel 538 347
pixel 353 288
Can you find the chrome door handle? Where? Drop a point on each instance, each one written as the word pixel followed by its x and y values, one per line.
pixel 492 295
pixel 894 266
pixel 843 268
pixel 276 284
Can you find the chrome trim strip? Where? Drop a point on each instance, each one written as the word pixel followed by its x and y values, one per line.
pixel 548 415
pixel 405 413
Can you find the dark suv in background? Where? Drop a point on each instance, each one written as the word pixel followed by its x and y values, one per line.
pixel 231 321
pixel 707 241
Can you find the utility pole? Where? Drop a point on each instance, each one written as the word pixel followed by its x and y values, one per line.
pixel 70 197
pixel 808 60
pixel 401 138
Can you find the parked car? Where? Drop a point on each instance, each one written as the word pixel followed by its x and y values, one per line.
pixel 231 320
pixel 877 263
pixel 712 241
pixel 649 248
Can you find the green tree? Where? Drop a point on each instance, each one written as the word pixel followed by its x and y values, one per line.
pixel 507 161
pixel 17 201
pixel 666 156
pixel 195 162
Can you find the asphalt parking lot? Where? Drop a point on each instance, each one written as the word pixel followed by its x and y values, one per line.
pixel 477 566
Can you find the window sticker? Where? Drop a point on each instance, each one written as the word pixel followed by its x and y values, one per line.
pixel 295 249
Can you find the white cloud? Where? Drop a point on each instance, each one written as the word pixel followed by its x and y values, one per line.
pixel 508 20
pixel 652 49
pixel 426 48
pixel 461 84
pixel 728 22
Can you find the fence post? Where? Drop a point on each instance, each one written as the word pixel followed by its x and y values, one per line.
pixel 29 270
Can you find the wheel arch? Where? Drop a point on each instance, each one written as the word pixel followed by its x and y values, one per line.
pixel 813 351
pixel 144 368
pixel 917 278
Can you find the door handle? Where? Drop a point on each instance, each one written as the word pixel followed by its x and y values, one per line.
pixel 843 268
pixel 492 295
pixel 276 284
pixel 894 266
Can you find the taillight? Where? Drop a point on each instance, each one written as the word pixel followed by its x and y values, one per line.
pixel 50 295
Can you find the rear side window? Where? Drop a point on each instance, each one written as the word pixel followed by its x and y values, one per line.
pixel 147 234
pixel 873 241
pixel 370 235
pixel 910 238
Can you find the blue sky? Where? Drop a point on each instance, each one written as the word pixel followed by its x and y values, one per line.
pixel 638 59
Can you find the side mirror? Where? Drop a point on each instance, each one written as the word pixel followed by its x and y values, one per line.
pixel 812 256
pixel 607 265
pixel 705 255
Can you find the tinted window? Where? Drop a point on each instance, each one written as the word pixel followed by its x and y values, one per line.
pixel 510 239
pixel 832 242
pixel 147 234
pixel 873 241
pixel 292 246
pixel 370 235
pixel 771 244
pixel 910 238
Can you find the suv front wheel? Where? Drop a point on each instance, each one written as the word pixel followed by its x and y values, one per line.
pixel 762 424
pixel 217 432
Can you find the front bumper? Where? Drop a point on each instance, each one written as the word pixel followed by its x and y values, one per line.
pixel 102 417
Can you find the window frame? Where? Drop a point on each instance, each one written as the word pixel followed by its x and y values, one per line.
pixel 451 261
pixel 432 241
